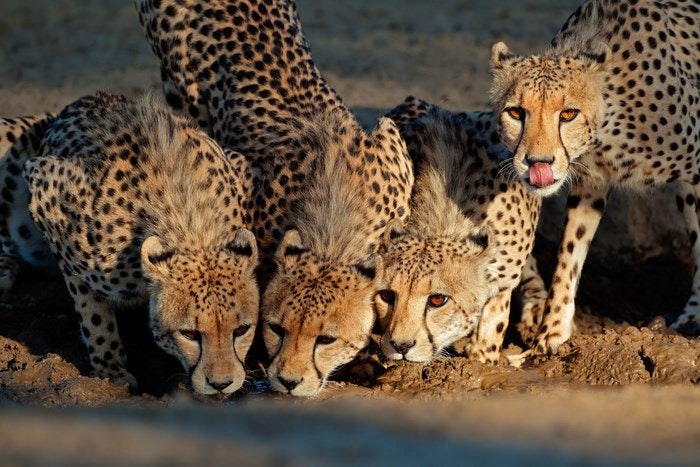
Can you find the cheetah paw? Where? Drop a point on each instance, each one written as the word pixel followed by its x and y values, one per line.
pixel 518 359
pixel 531 313
pixel 120 378
pixel 549 343
pixel 687 325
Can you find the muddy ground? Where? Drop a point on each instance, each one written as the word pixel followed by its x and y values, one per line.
pixel 623 389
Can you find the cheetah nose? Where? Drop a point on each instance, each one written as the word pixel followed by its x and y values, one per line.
pixel 532 160
pixel 290 384
pixel 219 386
pixel 403 347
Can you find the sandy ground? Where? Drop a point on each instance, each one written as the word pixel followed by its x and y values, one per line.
pixel 623 390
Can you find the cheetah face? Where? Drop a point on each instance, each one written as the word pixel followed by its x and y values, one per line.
pixel 549 110
pixel 317 316
pixel 204 308
pixel 436 290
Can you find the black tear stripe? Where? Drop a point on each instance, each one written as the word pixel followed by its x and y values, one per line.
pixel 318 372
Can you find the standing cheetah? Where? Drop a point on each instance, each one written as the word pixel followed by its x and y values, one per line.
pixel 614 103
pixel 124 190
pixel 244 70
pixel 451 271
pixel 22 243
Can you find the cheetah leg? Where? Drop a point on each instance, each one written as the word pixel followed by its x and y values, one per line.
pixel 486 346
pixel 586 206
pixel 98 329
pixel 533 295
pixel 686 199
pixel 21 241
pixel 12 156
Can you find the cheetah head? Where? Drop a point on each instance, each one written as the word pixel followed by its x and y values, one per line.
pixel 204 308
pixel 317 315
pixel 436 290
pixel 549 109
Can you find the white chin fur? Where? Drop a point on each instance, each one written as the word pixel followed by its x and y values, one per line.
pixel 545 191
pixel 414 359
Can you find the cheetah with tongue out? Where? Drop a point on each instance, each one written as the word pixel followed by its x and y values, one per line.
pixel 614 103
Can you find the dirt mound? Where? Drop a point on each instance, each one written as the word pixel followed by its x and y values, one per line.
pixel 603 353
pixel 49 380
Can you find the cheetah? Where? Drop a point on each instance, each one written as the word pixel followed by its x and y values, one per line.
pixel 317 310
pixel 452 268
pixel 138 205
pixel 22 243
pixel 614 103
pixel 327 190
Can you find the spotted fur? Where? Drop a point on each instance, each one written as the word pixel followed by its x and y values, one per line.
pixel 244 70
pixel 451 271
pixel 614 103
pixel 138 206
pixel 22 243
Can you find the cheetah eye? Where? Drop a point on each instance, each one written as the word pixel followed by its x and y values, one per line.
pixel 191 335
pixel 387 296
pixel 325 340
pixel 516 113
pixel 241 330
pixel 437 300
pixel 567 115
pixel 277 329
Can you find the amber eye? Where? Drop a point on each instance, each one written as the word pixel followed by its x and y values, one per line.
pixel 241 330
pixel 277 329
pixel 567 115
pixel 437 300
pixel 191 335
pixel 516 113
pixel 325 340
pixel 387 296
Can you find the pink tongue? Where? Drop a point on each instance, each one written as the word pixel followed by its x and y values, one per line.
pixel 541 174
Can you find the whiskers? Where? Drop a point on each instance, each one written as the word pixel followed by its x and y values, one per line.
pixel 442 355
pixel 576 171
pixel 506 170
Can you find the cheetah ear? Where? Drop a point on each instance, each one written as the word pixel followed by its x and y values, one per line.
pixel 290 249
pixel 479 238
pixel 500 55
pixel 244 245
pixel 408 111
pixel 598 54
pixel 155 259
pixel 392 233
pixel 371 268
pixel 386 135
